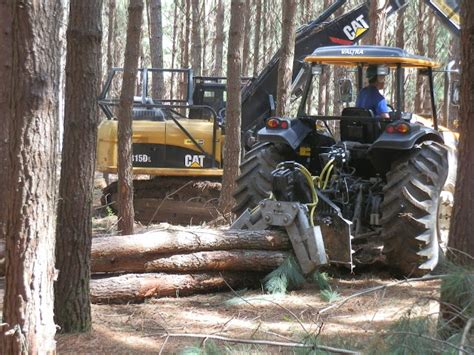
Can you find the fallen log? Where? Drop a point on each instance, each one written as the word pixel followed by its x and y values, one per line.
pixel 108 250
pixel 220 260
pixel 137 287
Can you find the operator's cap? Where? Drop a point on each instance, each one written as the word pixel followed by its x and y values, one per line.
pixel 371 72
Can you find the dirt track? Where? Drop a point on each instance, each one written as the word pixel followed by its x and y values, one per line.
pixel 142 328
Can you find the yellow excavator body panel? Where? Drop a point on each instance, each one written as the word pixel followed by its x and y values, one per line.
pixel 162 148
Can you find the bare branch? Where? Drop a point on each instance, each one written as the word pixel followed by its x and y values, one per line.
pixel 264 342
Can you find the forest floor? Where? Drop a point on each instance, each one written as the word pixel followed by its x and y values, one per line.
pixel 251 314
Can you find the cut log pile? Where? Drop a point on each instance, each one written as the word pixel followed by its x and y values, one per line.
pixel 177 261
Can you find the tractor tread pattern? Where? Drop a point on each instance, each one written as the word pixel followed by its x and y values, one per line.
pixel 254 181
pixel 409 209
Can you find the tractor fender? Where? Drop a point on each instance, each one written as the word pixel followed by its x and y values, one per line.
pixel 389 147
pixel 292 136
pixel 399 141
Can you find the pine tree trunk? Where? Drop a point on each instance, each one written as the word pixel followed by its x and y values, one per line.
pixel 72 303
pixel 30 273
pixel 173 48
pixel 400 43
pixel 246 45
pixel 420 50
pixel 233 107
pixel 219 54
pixel 196 47
pixel 205 33
pixel 256 40
pixel 376 33
pixel 125 175
pixel 111 34
pixel 461 241
pixel 5 77
pixel 265 34
pixel 138 287
pixel 109 250
pixel 285 67
pixel 215 260
pixel 156 47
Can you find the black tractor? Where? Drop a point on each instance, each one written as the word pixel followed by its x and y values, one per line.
pixel 373 188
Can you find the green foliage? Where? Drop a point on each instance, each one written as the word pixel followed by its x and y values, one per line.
pixel 210 347
pixel 321 279
pixel 288 276
pixel 329 295
pixel 109 212
pixel 458 288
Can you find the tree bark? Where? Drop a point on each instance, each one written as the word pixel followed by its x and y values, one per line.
pixel 285 67
pixel 125 175
pixel 72 303
pixel 218 68
pixel 216 260
pixel 5 77
pixel 196 46
pixel 256 40
pixel 204 23
pixel 111 34
pixel 400 43
pixel 108 250
pixel 233 107
pixel 173 48
pixel 420 48
pixel 265 33
pixel 461 241
pixel 376 33
pixel 28 301
pixel 138 287
pixel 156 47
pixel 246 44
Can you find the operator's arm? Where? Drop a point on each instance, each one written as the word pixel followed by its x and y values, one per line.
pixel 382 109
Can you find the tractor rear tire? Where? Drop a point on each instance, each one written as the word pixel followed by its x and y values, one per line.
pixel 254 181
pixel 410 209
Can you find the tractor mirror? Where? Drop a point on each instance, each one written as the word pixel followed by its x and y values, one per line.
pixel 383 70
pixel 455 92
pixel 298 84
pixel 345 90
pixel 316 69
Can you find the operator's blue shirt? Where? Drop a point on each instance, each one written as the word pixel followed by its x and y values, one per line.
pixel 370 98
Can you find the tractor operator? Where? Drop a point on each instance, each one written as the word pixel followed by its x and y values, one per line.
pixel 370 98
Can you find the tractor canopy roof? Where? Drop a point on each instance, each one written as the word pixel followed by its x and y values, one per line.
pixel 365 55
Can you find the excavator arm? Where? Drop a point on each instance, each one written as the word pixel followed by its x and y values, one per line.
pixel 345 29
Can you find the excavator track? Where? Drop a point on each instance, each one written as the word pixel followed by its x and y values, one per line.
pixel 174 200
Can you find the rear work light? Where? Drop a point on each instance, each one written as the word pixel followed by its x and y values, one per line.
pixel 402 128
pixel 277 123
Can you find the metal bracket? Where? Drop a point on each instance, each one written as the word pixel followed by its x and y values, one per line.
pixel 307 241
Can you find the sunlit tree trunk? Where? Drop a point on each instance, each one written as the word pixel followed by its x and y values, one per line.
pixel 420 50
pixel 218 68
pixel 285 66
pixel 173 47
pixel 196 46
pixel 125 175
pixel 156 47
pixel 32 185
pixel 72 302
pixel 233 108
pixel 246 46
pixel 256 40
pixel 5 139
pixel 461 241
